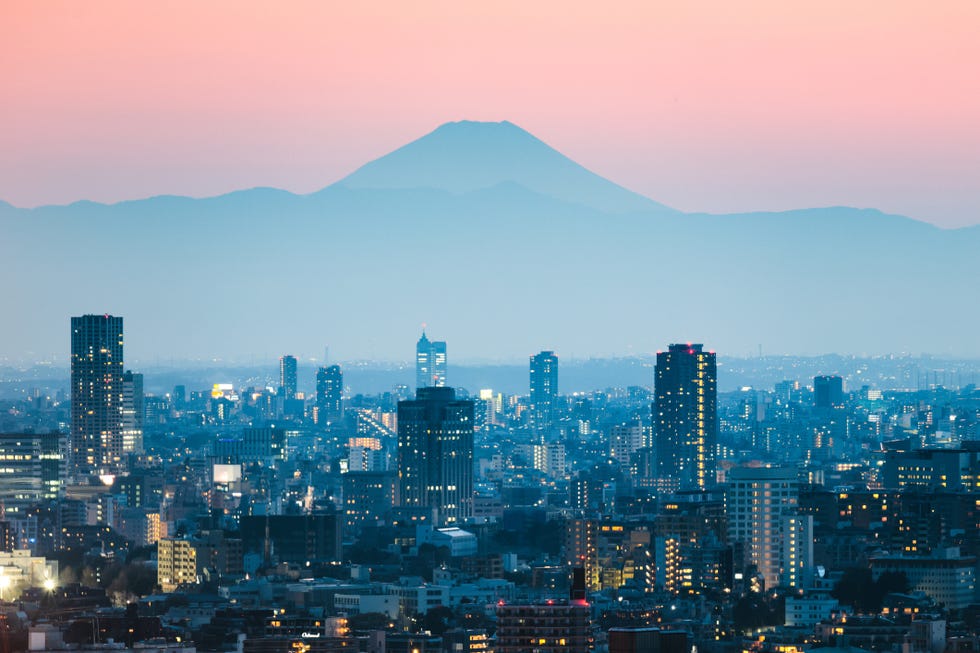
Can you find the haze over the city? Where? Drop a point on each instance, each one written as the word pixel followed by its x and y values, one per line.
pixel 480 226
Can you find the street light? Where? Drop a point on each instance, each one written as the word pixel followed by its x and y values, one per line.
pixel 4 584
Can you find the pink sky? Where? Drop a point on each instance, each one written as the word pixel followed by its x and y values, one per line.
pixel 714 106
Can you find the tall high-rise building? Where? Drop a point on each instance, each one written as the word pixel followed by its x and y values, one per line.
pixel 828 391
pixel 544 389
pixel 685 415
pixel 439 363
pixel 133 412
pixel 287 376
pixel 761 506
pixel 96 394
pixel 435 454
pixel 430 363
pixel 329 394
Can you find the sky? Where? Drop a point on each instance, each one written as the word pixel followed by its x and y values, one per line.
pixel 704 106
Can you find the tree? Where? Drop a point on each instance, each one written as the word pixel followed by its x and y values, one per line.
pixel 855 588
pixel 754 610
pixel 438 620
pixel 858 588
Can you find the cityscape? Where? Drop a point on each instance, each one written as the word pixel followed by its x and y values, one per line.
pixel 504 327
pixel 667 516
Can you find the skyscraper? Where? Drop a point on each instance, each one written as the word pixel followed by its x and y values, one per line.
pixel 544 389
pixel 439 363
pixel 430 363
pixel 132 420
pixel 685 417
pixel 96 394
pixel 435 454
pixel 329 394
pixel 287 376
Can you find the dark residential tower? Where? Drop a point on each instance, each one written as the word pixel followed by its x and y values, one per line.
pixel 96 394
pixel 544 389
pixel 329 394
pixel 685 418
pixel 435 454
pixel 287 376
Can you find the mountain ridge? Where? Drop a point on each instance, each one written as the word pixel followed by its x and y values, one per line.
pixel 366 177
pixel 499 269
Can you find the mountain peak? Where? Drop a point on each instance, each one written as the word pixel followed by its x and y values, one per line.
pixel 465 156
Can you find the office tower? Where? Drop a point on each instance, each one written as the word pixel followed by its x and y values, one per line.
pixel 329 394
pixel 828 391
pixel 685 419
pixel 430 363
pixel 96 394
pixel 439 363
pixel 435 454
pixel 761 508
pixel 287 376
pixel 33 470
pixel 132 419
pixel 544 390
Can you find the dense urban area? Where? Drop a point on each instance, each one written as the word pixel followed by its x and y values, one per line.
pixel 788 515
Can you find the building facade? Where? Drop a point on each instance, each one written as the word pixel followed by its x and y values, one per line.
pixel 685 415
pixel 133 412
pixel 96 394
pixel 761 506
pixel 32 469
pixel 329 394
pixel 435 454
pixel 430 363
pixel 287 377
pixel 544 390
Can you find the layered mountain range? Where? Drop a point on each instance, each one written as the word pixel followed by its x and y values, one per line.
pixel 501 244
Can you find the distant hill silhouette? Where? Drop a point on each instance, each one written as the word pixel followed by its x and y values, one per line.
pixel 503 245
pixel 466 156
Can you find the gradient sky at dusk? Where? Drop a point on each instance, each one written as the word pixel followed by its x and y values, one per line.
pixel 705 106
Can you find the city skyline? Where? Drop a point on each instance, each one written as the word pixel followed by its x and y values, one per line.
pixel 655 404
